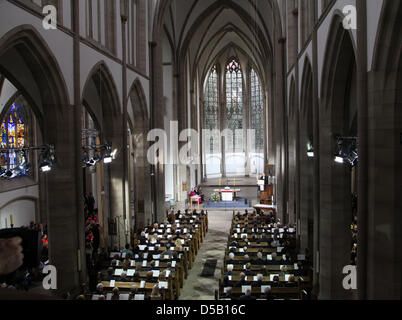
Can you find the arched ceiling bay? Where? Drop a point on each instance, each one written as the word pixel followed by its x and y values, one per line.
pixel 202 29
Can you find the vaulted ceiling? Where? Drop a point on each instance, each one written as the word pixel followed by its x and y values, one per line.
pixel 203 30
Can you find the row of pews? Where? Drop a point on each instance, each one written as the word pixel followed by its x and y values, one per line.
pixel 162 257
pixel 261 261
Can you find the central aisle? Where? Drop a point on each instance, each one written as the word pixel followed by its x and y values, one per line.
pixel 214 245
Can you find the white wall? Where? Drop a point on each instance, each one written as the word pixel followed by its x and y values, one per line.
pixel 23 212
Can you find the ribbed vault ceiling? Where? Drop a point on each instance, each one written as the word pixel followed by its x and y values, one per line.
pixel 206 30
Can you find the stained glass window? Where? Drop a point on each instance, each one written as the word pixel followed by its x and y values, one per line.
pixel 234 99
pixel 12 137
pixel 257 110
pixel 211 105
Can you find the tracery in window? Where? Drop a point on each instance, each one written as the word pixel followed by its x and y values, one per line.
pixel 257 110
pixel 13 137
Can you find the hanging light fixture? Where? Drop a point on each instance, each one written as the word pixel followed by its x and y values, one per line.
pixel 310 150
pixel 346 150
pixel 47 159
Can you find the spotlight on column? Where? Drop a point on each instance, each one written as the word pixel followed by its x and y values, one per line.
pixel 346 150
pixel 339 159
pixel 107 157
pixel 45 166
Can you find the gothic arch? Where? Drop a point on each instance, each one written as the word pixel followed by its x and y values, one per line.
pixel 29 64
pixel 306 164
pixel 101 99
pixel 339 76
pixel 140 182
pixel 385 155
pixel 50 94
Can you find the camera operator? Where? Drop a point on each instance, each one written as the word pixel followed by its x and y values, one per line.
pixel 11 257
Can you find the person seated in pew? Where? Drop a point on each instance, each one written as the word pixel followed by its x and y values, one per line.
pixel 169 251
pixel 126 263
pixel 274 260
pixel 248 271
pixel 109 275
pixel 232 249
pixel 283 271
pixel 259 261
pixel 231 259
pixel 127 250
pixel 260 281
pixel 123 277
pixel 101 298
pixel 242 281
pixel 136 277
pixel 267 295
pixel 234 243
pixel 225 281
pixel 152 266
pixel 133 292
pixel 291 283
pixel 116 294
pixel 150 277
pixel 247 296
pixel 228 294
pixel 100 288
pixel 229 269
pixel 155 294
pixel 246 259
pixel 143 240
pixel 275 242
pixel 276 283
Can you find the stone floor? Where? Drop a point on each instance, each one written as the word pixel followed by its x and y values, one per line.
pixel 213 247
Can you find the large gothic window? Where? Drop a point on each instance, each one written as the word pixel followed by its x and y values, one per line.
pixel 257 110
pixel 211 124
pixel 13 132
pixel 232 112
pixel 211 105
pixel 234 96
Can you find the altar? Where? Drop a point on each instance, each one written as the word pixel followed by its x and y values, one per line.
pixel 228 194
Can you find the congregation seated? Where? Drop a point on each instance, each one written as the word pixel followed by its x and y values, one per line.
pixel 228 295
pixel 247 296
pixel 229 269
pixel 116 294
pixel 243 281
pixel 261 256
pixel 267 295
pixel 248 271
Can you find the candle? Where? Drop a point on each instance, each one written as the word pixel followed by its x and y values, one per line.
pixel 234 181
pixel 11 219
pixel 220 182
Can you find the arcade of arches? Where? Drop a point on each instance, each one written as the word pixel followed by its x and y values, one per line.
pixel 273 84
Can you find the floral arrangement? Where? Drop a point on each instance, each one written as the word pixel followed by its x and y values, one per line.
pixel 215 197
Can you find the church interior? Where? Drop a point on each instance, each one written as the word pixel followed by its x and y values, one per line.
pixel 201 150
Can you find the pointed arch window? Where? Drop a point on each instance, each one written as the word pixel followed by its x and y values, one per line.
pixel 13 136
pixel 234 95
pixel 211 105
pixel 257 110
